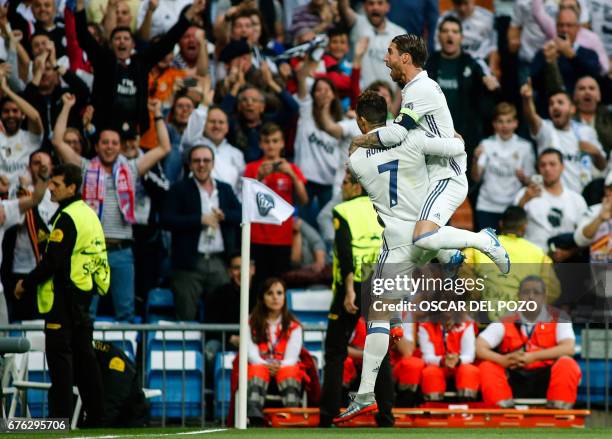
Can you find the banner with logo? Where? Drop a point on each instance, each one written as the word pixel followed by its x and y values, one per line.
pixel 260 204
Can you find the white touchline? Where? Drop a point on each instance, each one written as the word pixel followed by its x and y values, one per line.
pixel 183 433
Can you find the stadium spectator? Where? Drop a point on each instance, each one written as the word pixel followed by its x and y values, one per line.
pixel 422 19
pixel 595 228
pixel 448 351
pixel 109 187
pixel 274 350
pixel 16 144
pixel 271 242
pixel 27 242
pixel 118 14
pixel 47 21
pixel 122 75
pixel 210 126
pixel 576 142
pixel 479 37
pixel 317 153
pixel 192 57
pixel 156 17
pixel 181 111
pixel 529 354
pixel 562 57
pixel 465 86
pixel 245 105
pixel 316 16
pixel 527 259
pixel 356 241
pixel 203 215
pixel 591 111
pixel 584 37
pixel 378 29
pixel 223 307
pixel 503 163
pixel 49 82
pixel 552 209
pixel 307 249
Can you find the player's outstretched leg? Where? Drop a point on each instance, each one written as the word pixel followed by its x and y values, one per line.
pixel 448 237
pixel 374 351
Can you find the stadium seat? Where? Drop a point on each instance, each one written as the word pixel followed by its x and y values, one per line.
pixel 173 339
pixel 160 305
pixel 179 376
pixel 223 378
pixel 127 341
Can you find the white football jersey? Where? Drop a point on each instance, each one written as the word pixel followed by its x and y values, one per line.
pixel 396 180
pixel 424 99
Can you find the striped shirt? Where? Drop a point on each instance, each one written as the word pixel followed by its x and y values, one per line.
pixel 113 224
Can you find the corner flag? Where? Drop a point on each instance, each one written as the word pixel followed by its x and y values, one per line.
pixel 260 204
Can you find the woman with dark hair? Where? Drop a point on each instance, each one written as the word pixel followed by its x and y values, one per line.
pixel 317 153
pixel 274 350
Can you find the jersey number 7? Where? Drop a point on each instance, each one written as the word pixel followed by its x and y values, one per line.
pixel 392 168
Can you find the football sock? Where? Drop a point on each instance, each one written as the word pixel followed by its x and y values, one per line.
pixel 374 351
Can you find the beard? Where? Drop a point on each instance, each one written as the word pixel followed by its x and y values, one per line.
pixel 398 77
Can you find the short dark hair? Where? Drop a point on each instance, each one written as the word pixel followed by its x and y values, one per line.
pixel 551 151
pixel 337 31
pixel 379 83
pixel 121 29
pixel 4 101
pixel 561 92
pixel 451 19
pixel 268 129
pixel 199 146
pixel 533 278
pixel 71 173
pixel 38 151
pixel 414 45
pixel 513 218
pixel 372 107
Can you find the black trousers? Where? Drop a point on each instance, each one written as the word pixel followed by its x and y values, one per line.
pixel 71 358
pixel 339 332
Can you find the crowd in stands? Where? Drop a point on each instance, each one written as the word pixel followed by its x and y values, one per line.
pixel 165 104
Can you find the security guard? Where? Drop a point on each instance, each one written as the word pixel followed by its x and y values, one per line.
pixel 356 245
pixel 74 267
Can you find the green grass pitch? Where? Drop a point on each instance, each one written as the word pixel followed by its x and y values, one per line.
pixel 335 433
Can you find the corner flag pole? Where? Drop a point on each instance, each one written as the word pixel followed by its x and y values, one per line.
pixel 241 418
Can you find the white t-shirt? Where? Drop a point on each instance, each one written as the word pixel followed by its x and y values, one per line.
pixel 13 217
pixel 479 34
pixel 317 153
pixel 211 239
pixel 396 180
pixel 579 166
pixel 164 17
pixel 500 160
pixel 24 259
pixel 14 155
pixel 549 215
pixel 424 98
pixel 373 66
pixel 495 332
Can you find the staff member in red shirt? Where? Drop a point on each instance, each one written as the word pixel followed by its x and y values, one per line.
pixel 529 354
pixel 271 244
